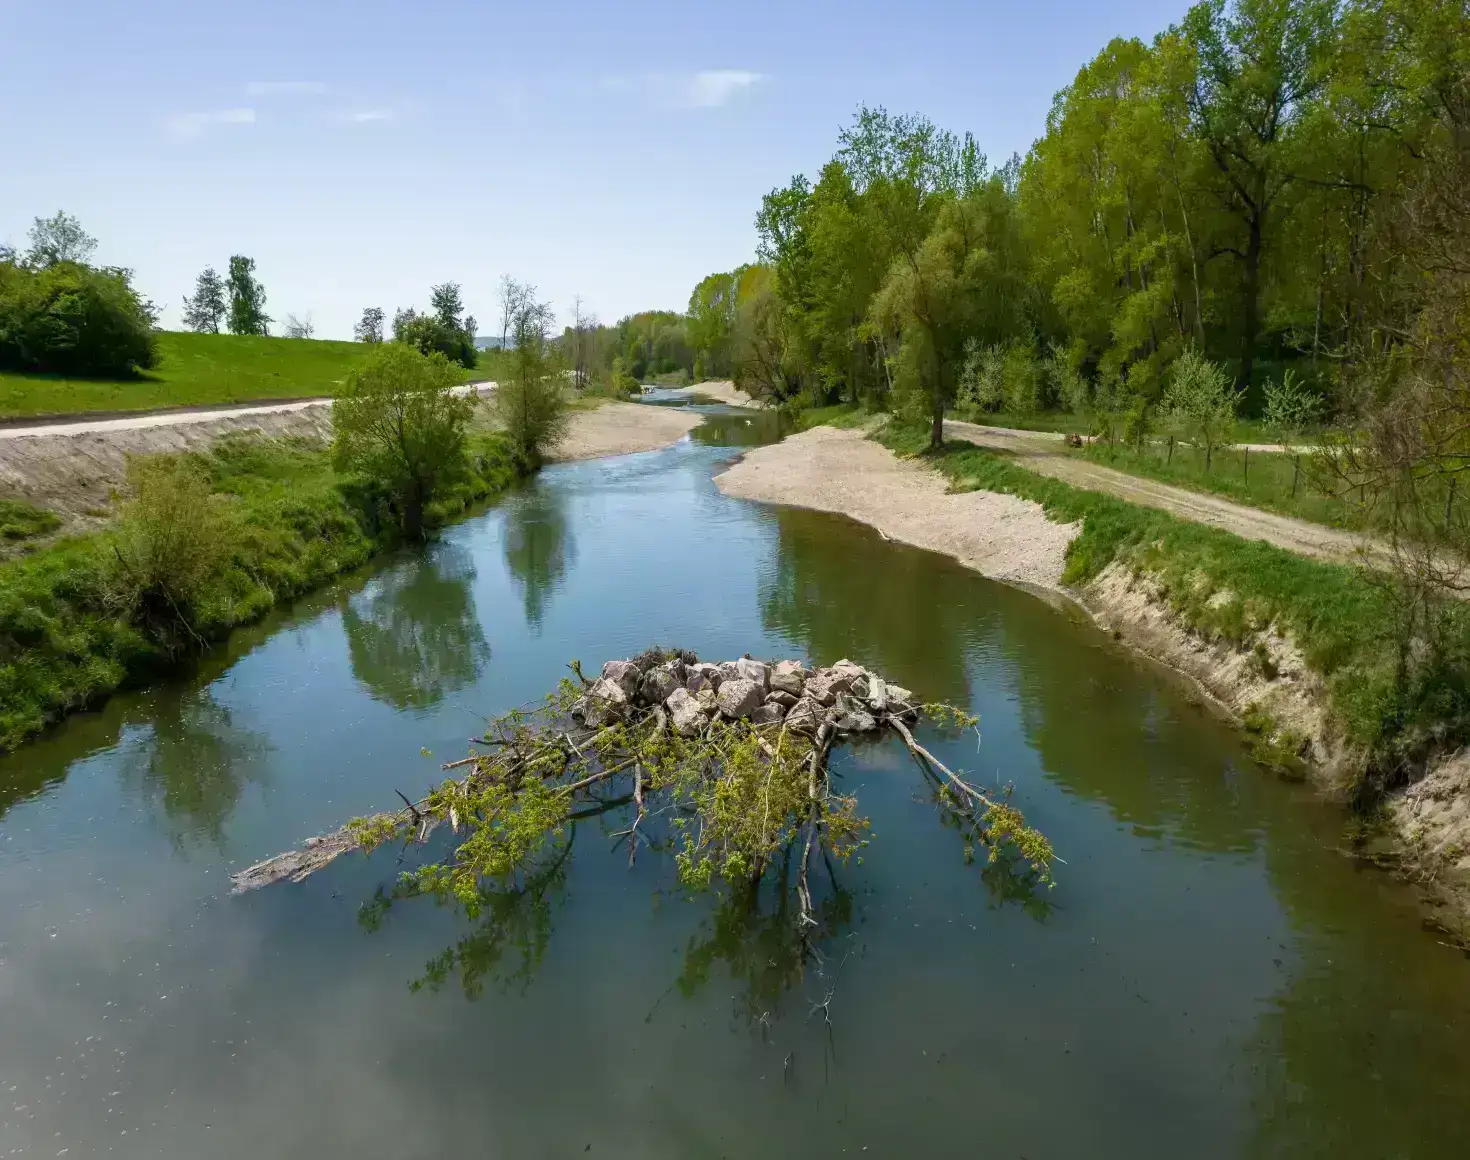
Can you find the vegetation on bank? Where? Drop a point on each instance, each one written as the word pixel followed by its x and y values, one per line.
pixel 1352 628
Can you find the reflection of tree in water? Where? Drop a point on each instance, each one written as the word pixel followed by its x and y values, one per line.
pixel 539 547
pixel 196 764
pixel 413 636
pixel 840 590
pixel 741 429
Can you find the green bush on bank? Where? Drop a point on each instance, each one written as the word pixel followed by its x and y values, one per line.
pixel 72 319
pixel 73 628
pixel 1340 618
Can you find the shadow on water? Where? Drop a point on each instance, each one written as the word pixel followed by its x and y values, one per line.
pixel 539 547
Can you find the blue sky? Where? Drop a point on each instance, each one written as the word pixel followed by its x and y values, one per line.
pixel 361 151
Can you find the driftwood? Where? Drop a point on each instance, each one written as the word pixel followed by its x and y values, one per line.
pixel 738 751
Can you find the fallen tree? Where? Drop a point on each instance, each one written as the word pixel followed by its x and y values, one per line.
pixel 725 766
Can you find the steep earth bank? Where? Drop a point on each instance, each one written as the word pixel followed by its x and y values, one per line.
pixel 1011 539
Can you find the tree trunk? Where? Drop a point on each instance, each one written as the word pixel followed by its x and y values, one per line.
pixel 413 512
pixel 1252 300
pixel 936 426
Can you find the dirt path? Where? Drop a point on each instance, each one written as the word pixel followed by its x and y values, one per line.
pixel 1041 452
pixel 841 471
pixel 183 416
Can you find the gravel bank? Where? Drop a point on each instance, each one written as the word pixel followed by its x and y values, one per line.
pixel 998 536
pixel 622 429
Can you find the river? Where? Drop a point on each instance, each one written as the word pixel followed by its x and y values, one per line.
pixel 1209 978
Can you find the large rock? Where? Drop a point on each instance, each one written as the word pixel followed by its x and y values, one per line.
pixel 852 716
pixel 767 714
pixel 677 669
pixel 702 676
pixel 657 686
pixel 604 703
pixel 898 695
pixel 757 671
pixel 789 677
pixel 825 684
pixel 685 713
pixel 805 716
pixel 728 670
pixel 625 674
pixel 877 694
pixel 782 698
pixel 739 697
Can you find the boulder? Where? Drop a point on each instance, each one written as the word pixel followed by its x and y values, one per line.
pixel 677 669
pixel 805 716
pixel 877 694
pixel 739 697
pixel 702 676
pixel 825 684
pixel 657 686
pixel 767 714
pixel 897 694
pixel 789 677
pixel 604 703
pixel 708 698
pixel 782 698
pixel 852 716
pixel 685 713
pixel 625 674
pixel 757 671
pixel 728 670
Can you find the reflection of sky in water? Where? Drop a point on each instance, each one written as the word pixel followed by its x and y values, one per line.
pixel 1211 980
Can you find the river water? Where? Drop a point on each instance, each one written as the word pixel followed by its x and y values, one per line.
pixel 1209 977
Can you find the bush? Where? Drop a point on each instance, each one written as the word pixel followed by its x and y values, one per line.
pixel 69 319
pixel 428 334
pixel 398 422
pixel 530 401
pixel 173 540
pixel 20 520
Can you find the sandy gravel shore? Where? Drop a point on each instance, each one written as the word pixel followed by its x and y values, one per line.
pixel 623 428
pixel 841 471
pixel 725 392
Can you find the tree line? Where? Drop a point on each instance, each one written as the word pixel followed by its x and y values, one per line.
pixel 1248 186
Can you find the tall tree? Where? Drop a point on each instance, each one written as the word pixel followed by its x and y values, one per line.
pixel 369 327
pixel 59 238
pixel 447 305
pixel 206 309
pixel 247 298
pixel 1259 64
pixel 513 297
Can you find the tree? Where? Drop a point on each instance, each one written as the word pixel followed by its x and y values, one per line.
pixel 1201 402
pixel 399 423
pixel 247 298
pixel 1290 409
pixel 580 336
pixel 514 297
pixel 298 326
pixel 447 305
pixel 59 239
pixel 207 308
pixel 72 319
pixel 1259 64
pixel 369 327
pixel 531 403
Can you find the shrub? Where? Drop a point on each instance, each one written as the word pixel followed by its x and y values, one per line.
pixel 70 319
pixel 428 334
pixel 398 422
pixel 530 401
pixel 173 540
pixel 20 520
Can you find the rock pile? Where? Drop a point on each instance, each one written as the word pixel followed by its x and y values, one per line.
pixel 693 693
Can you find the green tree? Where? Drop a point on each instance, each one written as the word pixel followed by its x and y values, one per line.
pixel 1201 402
pixel 369 327
pixel 531 401
pixel 59 239
pixel 206 309
pixel 399 423
pixel 247 298
pixel 70 319
pixel 1260 63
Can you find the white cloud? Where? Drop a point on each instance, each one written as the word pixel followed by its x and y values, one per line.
pixel 186 125
pixel 286 89
pixel 714 87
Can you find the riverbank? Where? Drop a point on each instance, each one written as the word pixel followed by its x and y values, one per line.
pixel 1290 648
pixel 68 639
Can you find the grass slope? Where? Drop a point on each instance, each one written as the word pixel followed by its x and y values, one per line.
pixel 65 644
pixel 1339 617
pixel 193 370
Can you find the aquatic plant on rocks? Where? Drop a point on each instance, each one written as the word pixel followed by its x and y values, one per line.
pixel 724 766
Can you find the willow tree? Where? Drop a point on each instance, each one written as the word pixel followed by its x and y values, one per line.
pixel 965 281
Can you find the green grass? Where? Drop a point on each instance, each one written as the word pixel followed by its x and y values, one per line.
pixel 22 521
pixel 1339 618
pixel 64 642
pixel 195 370
pixel 1063 422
